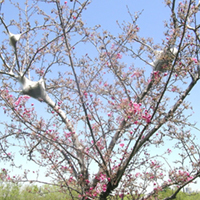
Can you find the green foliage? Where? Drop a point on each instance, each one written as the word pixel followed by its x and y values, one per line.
pixel 180 196
pixel 163 194
pixel 12 191
pixel 9 191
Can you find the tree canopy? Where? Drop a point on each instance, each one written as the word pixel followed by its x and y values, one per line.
pixel 104 101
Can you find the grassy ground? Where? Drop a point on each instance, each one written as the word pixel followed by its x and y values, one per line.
pixel 32 192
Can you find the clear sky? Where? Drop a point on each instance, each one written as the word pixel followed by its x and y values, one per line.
pixel 107 12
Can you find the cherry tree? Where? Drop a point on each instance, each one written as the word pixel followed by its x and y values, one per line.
pixel 99 116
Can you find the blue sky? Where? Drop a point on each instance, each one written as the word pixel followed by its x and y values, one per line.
pixel 107 12
pixel 151 23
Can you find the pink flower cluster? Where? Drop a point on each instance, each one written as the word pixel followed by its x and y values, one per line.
pixel 138 174
pixel 68 134
pixel 136 74
pixel 146 117
pixel 118 56
pixel 169 151
pixel 21 99
pixel 195 60
pixel 40 71
pixel 100 187
pixel 20 106
pixel 135 109
pixel 100 144
pixel 4 175
pixel 154 164
pixel 180 176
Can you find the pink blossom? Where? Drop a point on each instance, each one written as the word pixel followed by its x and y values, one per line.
pixel 137 174
pixel 156 73
pixel 109 114
pixel 136 107
pixel 136 74
pixel 104 188
pixel 195 60
pixel 60 102
pixel 87 181
pixel 147 117
pixel 94 194
pixel 121 145
pixel 85 94
pixel 112 46
pixel 189 178
pixel 174 89
pixel 119 56
pixel 169 151
pixel 18 101
pixel 102 177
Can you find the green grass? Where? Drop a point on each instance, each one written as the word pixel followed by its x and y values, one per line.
pixel 13 191
pixel 10 191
